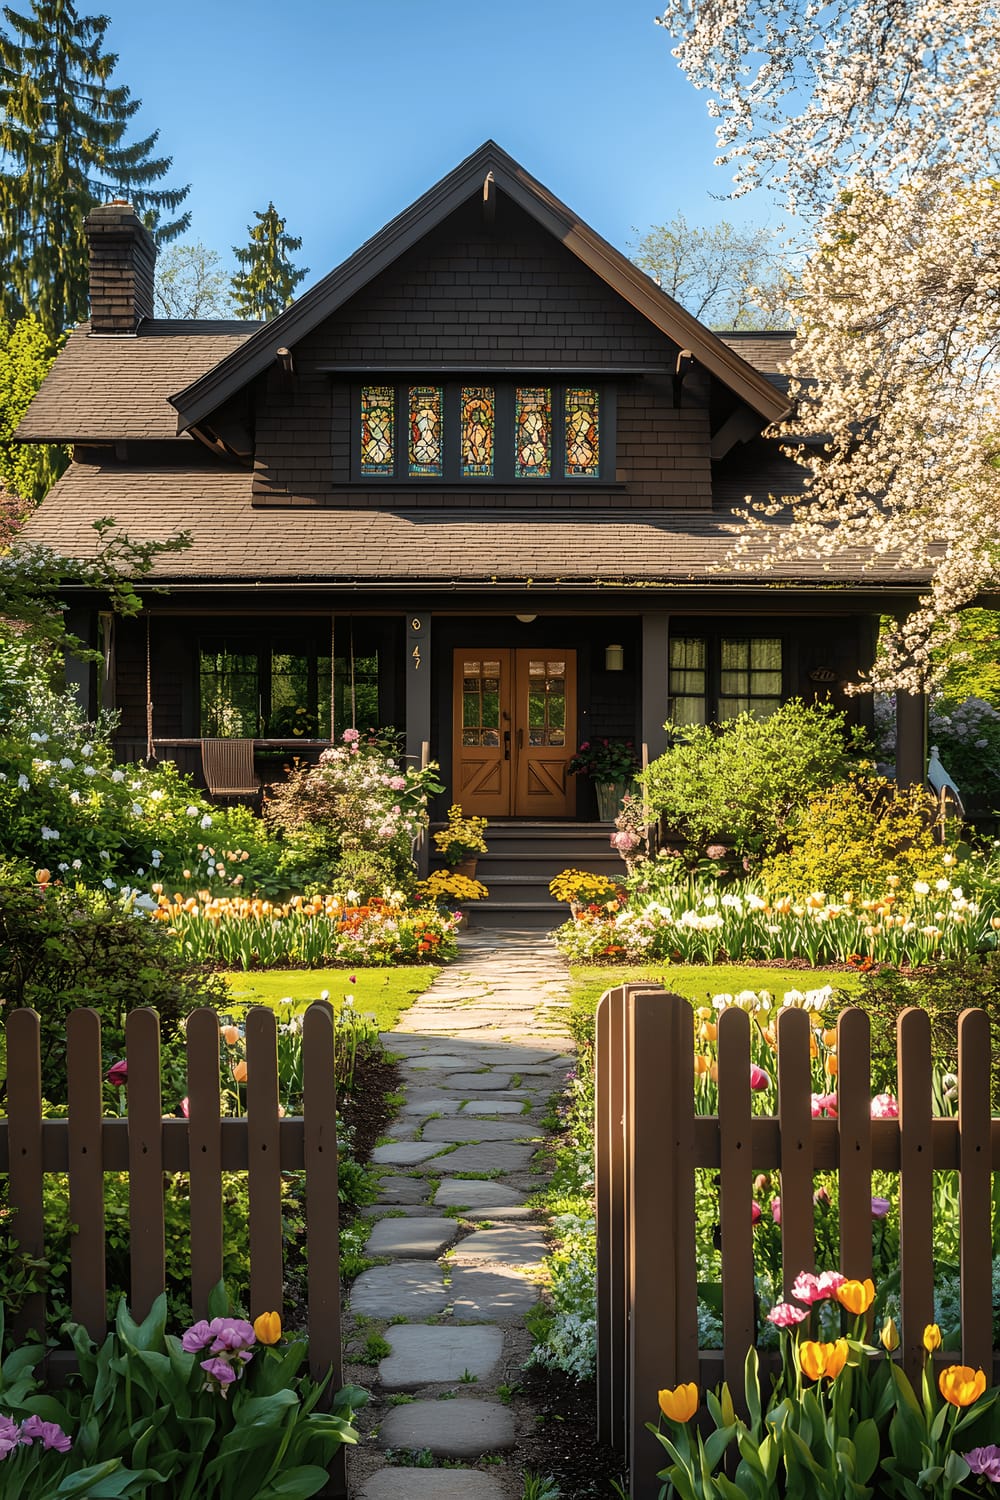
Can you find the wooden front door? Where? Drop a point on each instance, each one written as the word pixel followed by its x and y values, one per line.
pixel 515 723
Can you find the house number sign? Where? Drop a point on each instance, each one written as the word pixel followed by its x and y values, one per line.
pixel 416 625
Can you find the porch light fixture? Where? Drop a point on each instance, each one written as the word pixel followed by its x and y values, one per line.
pixel 526 619
pixel 614 658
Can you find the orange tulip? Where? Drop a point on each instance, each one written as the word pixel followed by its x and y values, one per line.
pixel 856 1296
pixel 708 1031
pixel 831 1065
pixel 819 1360
pixel 680 1404
pixel 701 1063
pixel 230 1035
pixel 830 1037
pixel 268 1327
pixel 961 1385
pixel 240 1071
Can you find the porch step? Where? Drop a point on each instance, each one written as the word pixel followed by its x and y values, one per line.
pixel 524 856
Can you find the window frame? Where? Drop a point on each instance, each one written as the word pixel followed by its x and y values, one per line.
pixel 504 388
pixel 713 643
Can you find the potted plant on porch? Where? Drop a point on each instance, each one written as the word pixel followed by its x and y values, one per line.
pixel 461 841
pixel 611 766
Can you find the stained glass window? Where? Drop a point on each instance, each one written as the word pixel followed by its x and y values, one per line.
pixel 425 448
pixel 378 409
pixel 532 433
pixel 582 432
pixel 478 425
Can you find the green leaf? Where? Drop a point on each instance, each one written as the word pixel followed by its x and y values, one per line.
pixel 717 1443
pixel 219 1305
pixel 295 1484
pixel 751 1382
pixel 866 1447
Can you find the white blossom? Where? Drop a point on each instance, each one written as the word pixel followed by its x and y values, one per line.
pixel 49 833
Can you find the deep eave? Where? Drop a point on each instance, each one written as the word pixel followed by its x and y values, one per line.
pixel 204 395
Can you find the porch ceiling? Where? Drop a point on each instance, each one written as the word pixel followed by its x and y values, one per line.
pixel 233 542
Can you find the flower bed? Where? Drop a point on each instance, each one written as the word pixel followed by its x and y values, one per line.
pixel 323 929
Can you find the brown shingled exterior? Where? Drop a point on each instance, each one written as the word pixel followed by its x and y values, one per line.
pixel 122 267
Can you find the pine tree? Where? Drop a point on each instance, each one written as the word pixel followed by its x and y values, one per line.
pixel 266 282
pixel 63 150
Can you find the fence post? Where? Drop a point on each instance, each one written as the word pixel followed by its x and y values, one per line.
pixel 145 1161
pixel 204 1155
pixel 24 1105
pixel 916 1185
pixel 86 1170
pixel 795 1127
pixel 739 1323
pixel 264 1162
pixel 610 1185
pixel 854 1143
pixel 975 1198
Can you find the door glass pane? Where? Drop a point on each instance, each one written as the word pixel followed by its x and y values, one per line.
pixel 424 442
pixel 481 703
pixel 478 426
pixel 300 695
pixel 546 702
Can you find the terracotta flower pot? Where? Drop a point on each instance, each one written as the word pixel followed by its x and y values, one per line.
pixel 466 867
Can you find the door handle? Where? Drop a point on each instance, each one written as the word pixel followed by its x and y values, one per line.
pixel 520 739
pixel 506 744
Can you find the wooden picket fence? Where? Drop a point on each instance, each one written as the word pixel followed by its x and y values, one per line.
pixel 146 1144
pixel 650 1142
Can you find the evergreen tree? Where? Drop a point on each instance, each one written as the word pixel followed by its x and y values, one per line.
pixel 63 150
pixel 266 282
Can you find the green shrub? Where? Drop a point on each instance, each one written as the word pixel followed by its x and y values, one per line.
pixel 856 835
pixel 742 783
pixel 61 949
pixel 943 993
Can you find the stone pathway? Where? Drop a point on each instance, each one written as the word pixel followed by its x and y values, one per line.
pixel 483 1050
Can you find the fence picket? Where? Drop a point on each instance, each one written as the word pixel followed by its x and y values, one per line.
pixel 916 1184
pixel 266 1281
pixel 975 1201
pixel 795 1124
pixel 24 1105
pixel 86 1170
pixel 145 1161
pixel 739 1319
pixel 205 1153
pixel 609 1191
pixel 854 1132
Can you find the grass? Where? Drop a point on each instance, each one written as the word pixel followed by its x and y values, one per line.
pixel 384 993
pixel 699 982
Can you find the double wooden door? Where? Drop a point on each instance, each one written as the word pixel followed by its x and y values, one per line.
pixel 515 726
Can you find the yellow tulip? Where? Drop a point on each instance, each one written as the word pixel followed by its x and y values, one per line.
pixel 856 1296
pixel 932 1338
pixel 679 1405
pixel 819 1360
pixel 961 1385
pixel 830 1037
pixel 708 1031
pixel 889 1337
pixel 701 1064
pixel 268 1327
pixel 831 1065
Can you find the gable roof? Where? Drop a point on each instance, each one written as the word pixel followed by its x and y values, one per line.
pixel 113 388
pixel 206 393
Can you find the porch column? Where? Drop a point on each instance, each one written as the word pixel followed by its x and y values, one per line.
pixel 80 674
pixel 655 661
pixel 418 704
pixel 911 739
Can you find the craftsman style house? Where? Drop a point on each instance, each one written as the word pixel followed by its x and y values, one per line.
pixel 477 484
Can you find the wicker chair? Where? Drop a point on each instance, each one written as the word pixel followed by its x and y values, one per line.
pixel 227 766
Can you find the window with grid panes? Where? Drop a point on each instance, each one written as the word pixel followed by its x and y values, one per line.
pixel 711 680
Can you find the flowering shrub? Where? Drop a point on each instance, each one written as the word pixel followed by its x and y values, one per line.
pixel 355 797
pixel 246 933
pixel 116 1431
pixel 583 887
pixel 967 735
pixel 461 838
pixel 448 887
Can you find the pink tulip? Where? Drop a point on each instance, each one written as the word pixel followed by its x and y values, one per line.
pixel 823 1105
pixel 755 1213
pixel 786 1315
pixel 758 1078
pixel 185 1107
pixel 885 1107
pixel 776 1210
pixel 117 1074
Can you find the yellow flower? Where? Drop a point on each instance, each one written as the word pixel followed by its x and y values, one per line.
pixel 961 1385
pixel 679 1405
pixel 856 1296
pixel 268 1327
pixel 889 1337
pixel 830 1037
pixel 932 1338
pixel 817 1360
pixel 701 1064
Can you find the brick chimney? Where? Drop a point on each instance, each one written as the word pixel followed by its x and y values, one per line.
pixel 122 261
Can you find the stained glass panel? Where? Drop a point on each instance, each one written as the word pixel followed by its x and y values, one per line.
pixel 582 432
pixel 425 448
pixel 478 427
pixel 532 433
pixel 378 411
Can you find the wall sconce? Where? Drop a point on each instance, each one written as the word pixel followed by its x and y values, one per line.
pixel 614 658
pixel 526 619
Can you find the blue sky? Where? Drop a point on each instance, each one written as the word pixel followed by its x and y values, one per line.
pixel 344 111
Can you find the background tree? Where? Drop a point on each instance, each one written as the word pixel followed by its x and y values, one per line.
pixel 28 470
pixel 190 283
pixel 728 277
pixel 63 150
pixel 882 128
pixel 266 282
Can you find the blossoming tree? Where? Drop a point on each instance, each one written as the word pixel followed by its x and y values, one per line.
pixel 880 125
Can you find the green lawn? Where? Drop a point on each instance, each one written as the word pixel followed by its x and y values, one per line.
pixel 698 982
pixel 384 993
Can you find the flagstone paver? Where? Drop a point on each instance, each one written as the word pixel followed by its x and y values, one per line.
pixel 481 1054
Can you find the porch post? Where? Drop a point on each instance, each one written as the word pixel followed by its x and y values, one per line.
pixel 655 637
pixel 418 702
pixel 911 739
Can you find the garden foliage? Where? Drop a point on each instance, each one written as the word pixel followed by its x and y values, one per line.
pixel 743 782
